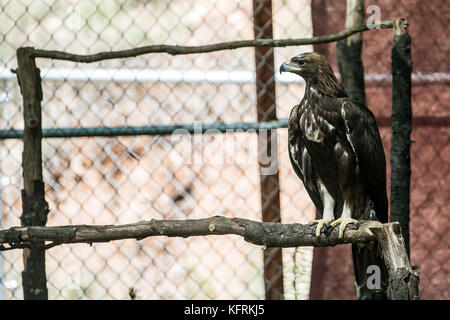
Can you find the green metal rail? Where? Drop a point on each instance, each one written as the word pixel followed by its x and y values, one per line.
pixel 148 130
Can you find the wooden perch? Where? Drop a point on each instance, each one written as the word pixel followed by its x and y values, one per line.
pixel 260 233
pixel 176 50
pixel 403 280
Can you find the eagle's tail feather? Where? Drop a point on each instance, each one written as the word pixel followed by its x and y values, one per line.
pixel 370 271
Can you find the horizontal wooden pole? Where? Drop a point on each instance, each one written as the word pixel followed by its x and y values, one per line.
pixel 177 50
pixel 260 233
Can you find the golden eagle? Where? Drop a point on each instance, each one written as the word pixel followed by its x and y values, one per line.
pixel 336 150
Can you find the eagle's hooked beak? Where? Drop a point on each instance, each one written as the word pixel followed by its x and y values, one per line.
pixel 288 67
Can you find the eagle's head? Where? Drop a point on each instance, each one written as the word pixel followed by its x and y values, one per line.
pixel 317 72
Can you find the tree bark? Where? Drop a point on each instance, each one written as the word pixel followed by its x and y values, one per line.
pixel 348 53
pixel 267 234
pixel 403 281
pixel 401 128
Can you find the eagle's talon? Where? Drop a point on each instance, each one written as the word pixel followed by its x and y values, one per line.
pixel 343 222
pixel 321 224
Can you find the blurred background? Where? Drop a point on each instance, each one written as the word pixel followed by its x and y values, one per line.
pixel 126 179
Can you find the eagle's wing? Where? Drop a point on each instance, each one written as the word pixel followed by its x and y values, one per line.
pixel 305 172
pixel 364 137
pixel 301 160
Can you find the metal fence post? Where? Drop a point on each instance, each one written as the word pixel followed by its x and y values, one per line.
pixel 34 206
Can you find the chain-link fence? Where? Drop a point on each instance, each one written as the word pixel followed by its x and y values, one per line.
pixel 126 179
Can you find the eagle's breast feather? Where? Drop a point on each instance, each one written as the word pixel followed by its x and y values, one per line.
pixel 312 124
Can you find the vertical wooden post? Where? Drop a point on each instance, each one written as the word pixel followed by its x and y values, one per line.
pixel 34 206
pixel 403 281
pixel 320 16
pixel 266 110
pixel 348 53
pixel 401 128
pixel 320 11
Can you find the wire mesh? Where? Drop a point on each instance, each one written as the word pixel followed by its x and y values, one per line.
pixel 125 179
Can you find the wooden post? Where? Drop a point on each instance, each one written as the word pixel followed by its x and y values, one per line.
pixel 403 281
pixel 321 24
pixel 401 128
pixel 266 110
pixel 320 15
pixel 348 53
pixel 34 206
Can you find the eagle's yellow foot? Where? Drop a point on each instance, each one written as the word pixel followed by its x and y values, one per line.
pixel 343 222
pixel 320 224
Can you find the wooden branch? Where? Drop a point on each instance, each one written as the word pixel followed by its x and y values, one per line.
pixel 176 50
pixel 403 281
pixel 260 233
